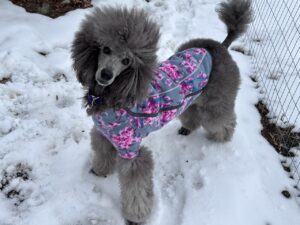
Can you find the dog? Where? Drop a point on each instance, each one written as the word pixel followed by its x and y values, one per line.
pixel 128 94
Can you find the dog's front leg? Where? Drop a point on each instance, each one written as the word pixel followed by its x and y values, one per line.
pixel 136 186
pixel 104 159
pixel 190 120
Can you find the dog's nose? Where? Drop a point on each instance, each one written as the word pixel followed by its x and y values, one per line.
pixel 106 74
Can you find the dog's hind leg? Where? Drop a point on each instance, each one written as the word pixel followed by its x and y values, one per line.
pixel 190 120
pixel 104 159
pixel 135 177
pixel 221 129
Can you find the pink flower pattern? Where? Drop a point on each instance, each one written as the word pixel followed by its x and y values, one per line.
pixel 191 67
pixel 199 51
pixel 185 88
pixel 152 106
pixel 171 70
pixel 188 56
pixel 167 116
pixel 128 155
pixel 125 138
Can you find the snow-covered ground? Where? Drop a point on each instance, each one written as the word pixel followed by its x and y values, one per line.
pixel 45 154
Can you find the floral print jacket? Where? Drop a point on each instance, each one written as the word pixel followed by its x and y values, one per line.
pixel 177 83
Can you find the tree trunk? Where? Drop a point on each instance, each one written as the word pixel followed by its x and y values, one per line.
pixel 52 8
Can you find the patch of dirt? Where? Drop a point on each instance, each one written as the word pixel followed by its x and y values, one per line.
pixel 254 79
pixel 282 139
pixel 43 53
pixel 4 80
pixel 59 77
pixel 19 172
pixel 286 193
pixel 52 8
pixel 257 40
pixel 241 49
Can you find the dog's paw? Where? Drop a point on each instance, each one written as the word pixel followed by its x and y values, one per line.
pixel 94 173
pixel 184 131
pixel 128 222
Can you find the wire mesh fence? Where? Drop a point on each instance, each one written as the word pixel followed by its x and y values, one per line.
pixel 274 42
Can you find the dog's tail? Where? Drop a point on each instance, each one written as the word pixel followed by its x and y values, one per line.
pixel 236 14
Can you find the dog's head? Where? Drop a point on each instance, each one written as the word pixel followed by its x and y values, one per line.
pixel 114 54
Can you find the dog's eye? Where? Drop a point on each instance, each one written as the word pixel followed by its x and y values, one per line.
pixel 125 61
pixel 106 50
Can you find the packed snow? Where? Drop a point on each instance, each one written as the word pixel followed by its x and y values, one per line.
pixel 45 153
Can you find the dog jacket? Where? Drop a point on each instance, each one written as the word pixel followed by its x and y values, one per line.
pixel 178 81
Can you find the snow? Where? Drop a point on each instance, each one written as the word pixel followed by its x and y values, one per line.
pixel 44 134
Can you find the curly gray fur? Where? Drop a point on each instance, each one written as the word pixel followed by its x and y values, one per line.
pixel 104 159
pixel 127 30
pixel 237 15
pixel 136 186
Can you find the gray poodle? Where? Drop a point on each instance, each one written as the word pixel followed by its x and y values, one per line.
pixel 128 94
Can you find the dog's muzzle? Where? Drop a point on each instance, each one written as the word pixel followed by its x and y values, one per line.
pixel 105 77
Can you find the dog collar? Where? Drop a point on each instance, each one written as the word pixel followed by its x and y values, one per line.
pixel 94 100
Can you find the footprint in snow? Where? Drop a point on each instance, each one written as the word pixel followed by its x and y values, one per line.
pixel 197 182
pixel 174 196
pixel 7 125
pixel 172 186
pixel 17 184
pixel 93 220
pixel 161 4
pixel 64 101
pixel 60 77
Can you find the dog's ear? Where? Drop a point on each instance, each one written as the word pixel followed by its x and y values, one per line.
pixel 132 85
pixel 85 55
